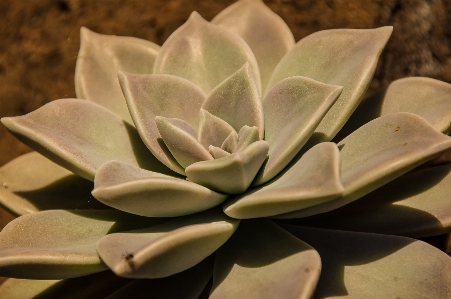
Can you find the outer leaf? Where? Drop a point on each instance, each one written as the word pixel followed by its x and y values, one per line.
pixel 205 54
pixel 359 265
pixel 379 152
pixel 187 284
pixel 416 204
pixel 138 191
pixel 166 249
pixel 264 31
pixel 272 264
pixel 149 96
pixel 343 57
pixel 81 136
pixel 425 97
pixel 58 244
pixel 237 101
pixel 232 174
pixel 212 130
pixel 313 180
pixel 99 60
pixel 32 183
pixel 180 138
pixel 293 109
pixel 73 288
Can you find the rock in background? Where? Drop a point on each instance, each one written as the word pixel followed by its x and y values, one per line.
pixel 39 39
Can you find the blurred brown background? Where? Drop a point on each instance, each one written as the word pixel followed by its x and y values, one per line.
pixel 39 39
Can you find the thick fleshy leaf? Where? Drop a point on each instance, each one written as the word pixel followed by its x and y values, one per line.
pixel 205 54
pixel 379 152
pixel 138 191
pixel 33 183
pixel 314 179
pixel 149 96
pixel 425 97
pixel 96 285
pixel 187 284
pixel 217 152
pixel 99 60
pixel 59 244
pixel 263 261
pixel 212 130
pixel 237 101
pixel 80 136
pixel 416 205
pixel 360 265
pixel 293 109
pixel 232 174
pixel 264 31
pixel 246 136
pixel 231 142
pixel 343 57
pixel 180 138
pixel 166 249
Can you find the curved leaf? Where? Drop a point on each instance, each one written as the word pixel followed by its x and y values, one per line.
pixel 138 191
pixel 313 180
pixel 80 136
pixel 236 100
pixel 246 136
pixel 217 152
pixel 232 174
pixel 149 96
pixel 231 142
pixel 212 130
pixel 99 60
pixel 343 57
pixel 416 205
pixel 264 31
pixel 359 265
pixel 379 152
pixel 262 261
pixel 31 183
pixel 293 109
pixel 24 288
pixel 59 244
pixel 205 54
pixel 180 138
pixel 166 249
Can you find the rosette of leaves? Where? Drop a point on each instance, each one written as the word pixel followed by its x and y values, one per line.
pixel 174 172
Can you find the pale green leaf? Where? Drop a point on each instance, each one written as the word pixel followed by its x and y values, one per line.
pixel 232 174
pixel 381 151
pixel 59 244
pixel 293 109
pixel 205 54
pixel 262 261
pixel 149 96
pixel 138 191
pixel 180 138
pixel 32 183
pixel 343 57
pixel 246 136
pixel 313 180
pixel 187 284
pixel 24 288
pixel 371 266
pixel 80 136
pixel 212 130
pixel 217 152
pixel 415 205
pixel 166 249
pixel 236 100
pixel 230 143
pixel 264 31
pixel 99 60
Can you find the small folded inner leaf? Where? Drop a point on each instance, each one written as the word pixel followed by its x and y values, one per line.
pixel 246 136
pixel 166 249
pixel 141 192
pixel 313 180
pixel 212 130
pixel 180 138
pixel 232 174
pixel 231 142
pixel 217 152
pixel 237 101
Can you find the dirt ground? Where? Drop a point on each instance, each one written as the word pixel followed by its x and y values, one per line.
pixel 39 39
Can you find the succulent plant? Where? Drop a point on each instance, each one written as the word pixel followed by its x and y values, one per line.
pixel 231 163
